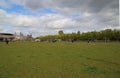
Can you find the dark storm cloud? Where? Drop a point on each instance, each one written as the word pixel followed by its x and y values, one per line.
pixel 98 5
pixel 81 5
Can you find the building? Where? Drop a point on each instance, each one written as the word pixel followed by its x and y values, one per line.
pixel 8 36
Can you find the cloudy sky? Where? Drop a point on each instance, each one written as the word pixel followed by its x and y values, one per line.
pixel 45 17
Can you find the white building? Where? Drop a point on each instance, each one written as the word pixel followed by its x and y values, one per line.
pixel 8 36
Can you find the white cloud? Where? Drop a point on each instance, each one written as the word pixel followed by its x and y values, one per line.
pixel 93 15
pixel 45 23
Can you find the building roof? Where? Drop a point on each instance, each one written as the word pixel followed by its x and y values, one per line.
pixel 6 34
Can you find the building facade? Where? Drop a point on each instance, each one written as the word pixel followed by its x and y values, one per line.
pixel 8 36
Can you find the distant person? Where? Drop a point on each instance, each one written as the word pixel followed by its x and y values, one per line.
pixel 7 41
pixel 88 41
pixel 72 40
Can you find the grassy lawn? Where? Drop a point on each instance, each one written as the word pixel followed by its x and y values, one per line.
pixel 60 60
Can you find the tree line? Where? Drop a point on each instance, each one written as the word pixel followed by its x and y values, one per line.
pixel 103 35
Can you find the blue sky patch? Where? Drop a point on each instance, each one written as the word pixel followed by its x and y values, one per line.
pixel 19 9
pixel 9 27
pixel 48 11
pixel 75 15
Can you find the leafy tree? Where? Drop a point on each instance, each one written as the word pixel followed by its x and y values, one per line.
pixel 108 34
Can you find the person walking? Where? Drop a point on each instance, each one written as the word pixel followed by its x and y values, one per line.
pixel 7 41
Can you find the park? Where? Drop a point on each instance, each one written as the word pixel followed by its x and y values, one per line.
pixel 59 39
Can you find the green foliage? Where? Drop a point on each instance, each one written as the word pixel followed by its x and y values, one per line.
pixel 107 35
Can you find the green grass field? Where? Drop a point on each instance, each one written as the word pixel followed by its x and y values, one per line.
pixel 60 60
